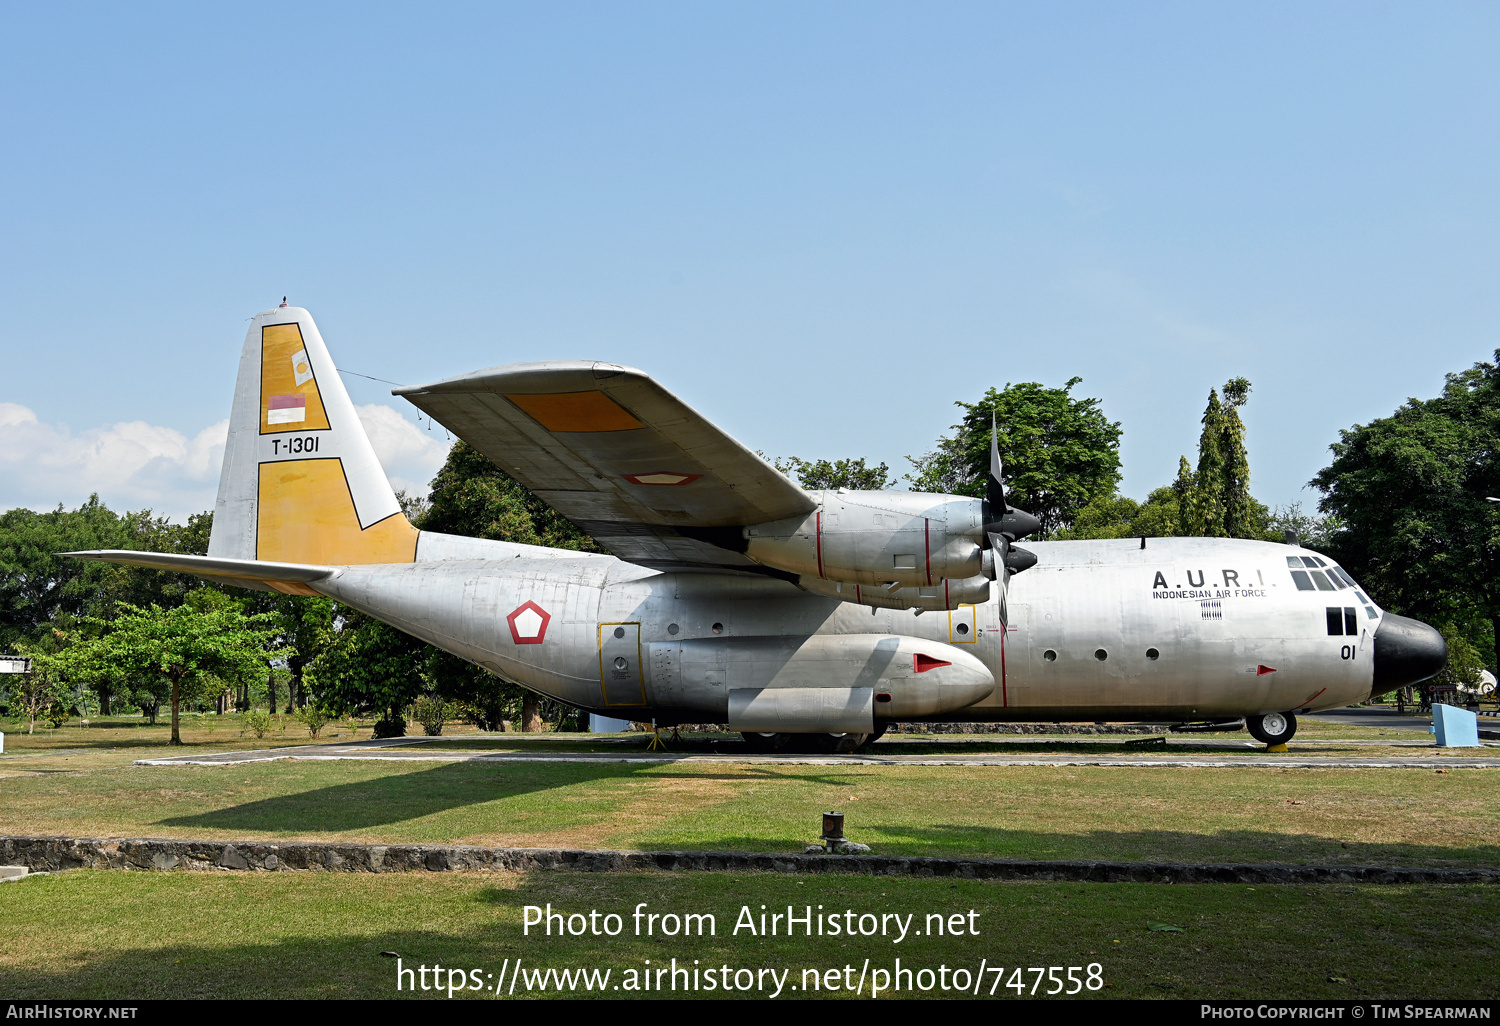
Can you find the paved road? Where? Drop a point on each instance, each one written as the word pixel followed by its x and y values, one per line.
pixel 1375 716
pixel 371 751
pixel 1386 716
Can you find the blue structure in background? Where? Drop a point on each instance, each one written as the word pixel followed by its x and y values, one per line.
pixel 1455 727
pixel 606 724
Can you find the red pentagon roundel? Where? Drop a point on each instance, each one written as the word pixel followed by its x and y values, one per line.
pixel 528 624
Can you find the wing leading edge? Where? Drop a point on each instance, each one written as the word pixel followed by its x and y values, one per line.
pixel 628 462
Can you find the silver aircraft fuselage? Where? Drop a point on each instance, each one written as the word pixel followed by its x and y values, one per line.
pixel 735 596
pixel 1172 629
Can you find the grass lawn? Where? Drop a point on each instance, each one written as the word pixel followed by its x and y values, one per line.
pixel 1382 817
pixel 85 934
pixel 223 733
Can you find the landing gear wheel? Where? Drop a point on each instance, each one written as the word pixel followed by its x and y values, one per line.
pixel 837 744
pixel 880 729
pixel 766 742
pixel 1272 728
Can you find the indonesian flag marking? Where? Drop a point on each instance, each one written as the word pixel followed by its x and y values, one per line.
pixel 528 624
pixel 287 409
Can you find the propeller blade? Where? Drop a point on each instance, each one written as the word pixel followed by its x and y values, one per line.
pixel 994 493
pixel 1000 547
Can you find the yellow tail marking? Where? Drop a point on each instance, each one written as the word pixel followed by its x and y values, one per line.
pixel 283 362
pixel 307 515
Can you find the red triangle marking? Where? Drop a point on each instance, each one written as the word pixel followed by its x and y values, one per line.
pixel 1262 670
pixel 922 663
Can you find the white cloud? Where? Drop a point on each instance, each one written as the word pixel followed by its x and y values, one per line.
pixel 134 465
pixel 410 455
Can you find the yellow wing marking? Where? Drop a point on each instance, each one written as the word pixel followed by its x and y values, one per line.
pixel 576 411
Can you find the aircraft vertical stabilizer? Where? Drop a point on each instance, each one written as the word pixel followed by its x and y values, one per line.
pixel 301 483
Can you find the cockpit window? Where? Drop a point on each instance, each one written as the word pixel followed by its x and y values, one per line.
pixel 1301 580
pixel 1295 562
pixel 1321 581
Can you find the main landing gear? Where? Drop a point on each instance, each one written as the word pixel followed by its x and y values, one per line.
pixel 1272 728
pixel 826 744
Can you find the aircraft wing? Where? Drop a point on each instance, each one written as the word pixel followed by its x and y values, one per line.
pixel 632 465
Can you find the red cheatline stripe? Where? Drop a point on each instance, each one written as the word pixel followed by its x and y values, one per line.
pixel 288 402
pixel 1309 699
pixel 927 540
pixel 820 543
pixel 1004 696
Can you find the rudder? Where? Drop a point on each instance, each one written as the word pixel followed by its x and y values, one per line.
pixel 301 483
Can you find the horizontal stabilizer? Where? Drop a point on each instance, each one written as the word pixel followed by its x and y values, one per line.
pixel 258 575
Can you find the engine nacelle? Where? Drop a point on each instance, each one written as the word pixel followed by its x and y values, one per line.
pixel 945 594
pixel 833 683
pixel 915 539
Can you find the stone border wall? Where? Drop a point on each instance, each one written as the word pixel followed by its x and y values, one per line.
pixel 52 854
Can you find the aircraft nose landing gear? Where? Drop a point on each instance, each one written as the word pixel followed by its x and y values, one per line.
pixel 1272 729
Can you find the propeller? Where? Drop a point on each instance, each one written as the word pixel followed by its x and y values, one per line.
pixel 1003 524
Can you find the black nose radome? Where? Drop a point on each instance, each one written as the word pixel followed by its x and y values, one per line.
pixel 1406 651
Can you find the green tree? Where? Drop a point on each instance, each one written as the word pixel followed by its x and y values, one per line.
pixel 852 473
pixel 370 667
pixel 304 630
pixel 42 592
pixel 34 693
pixel 37 587
pixel 1205 499
pixel 180 652
pixel 1215 501
pixel 1464 662
pixel 1311 530
pixel 1061 453
pixel 1409 494
pixel 1243 516
pixel 1117 516
pixel 471 496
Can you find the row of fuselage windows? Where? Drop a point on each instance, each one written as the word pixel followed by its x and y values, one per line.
pixel 1309 573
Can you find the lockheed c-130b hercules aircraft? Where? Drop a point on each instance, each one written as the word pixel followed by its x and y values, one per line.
pixel 734 596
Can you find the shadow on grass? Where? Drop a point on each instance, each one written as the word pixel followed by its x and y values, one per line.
pixel 1226 846
pixel 1258 846
pixel 400 797
pixel 397 797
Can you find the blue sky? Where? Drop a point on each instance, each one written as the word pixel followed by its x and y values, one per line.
pixel 818 224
